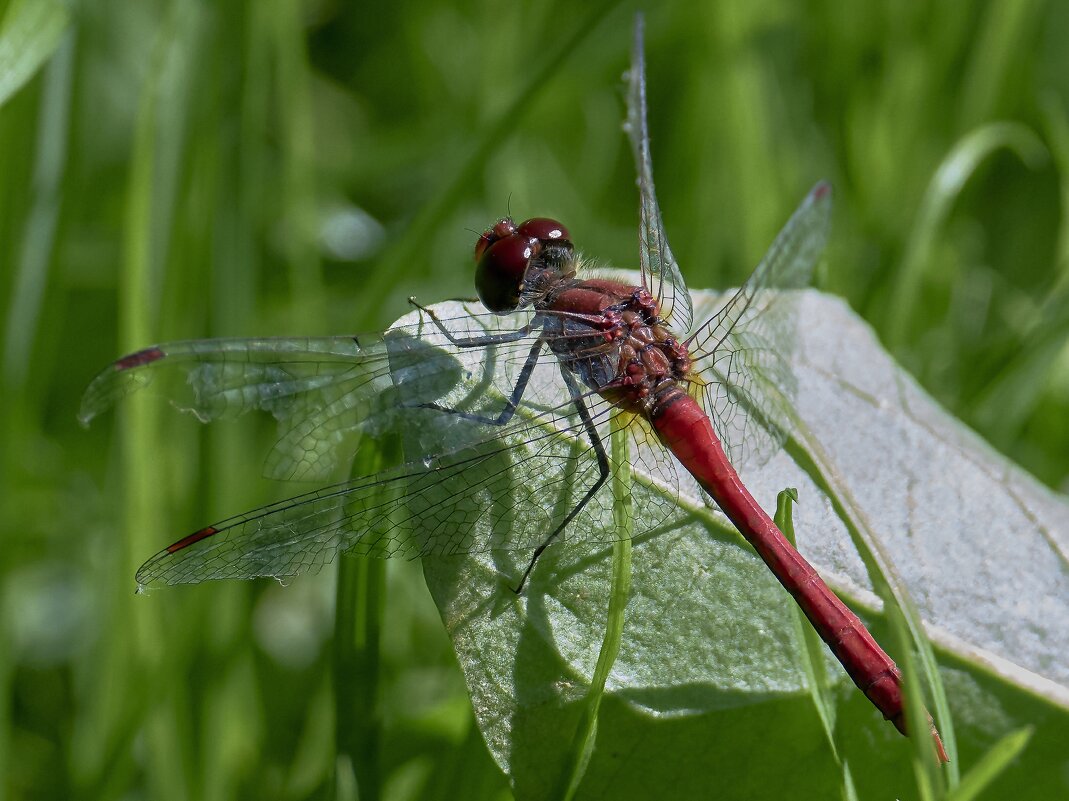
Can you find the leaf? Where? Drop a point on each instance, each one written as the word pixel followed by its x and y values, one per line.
pixel 30 33
pixel 709 690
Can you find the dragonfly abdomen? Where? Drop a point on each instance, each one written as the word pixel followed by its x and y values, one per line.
pixel 686 430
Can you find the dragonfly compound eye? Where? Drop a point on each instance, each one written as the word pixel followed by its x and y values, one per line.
pixel 502 228
pixel 500 271
pixel 544 229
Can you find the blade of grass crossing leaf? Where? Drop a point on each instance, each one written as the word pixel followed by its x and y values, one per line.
pixel 813 658
pixel 811 457
pixel 623 517
pixel 930 783
pixel 988 768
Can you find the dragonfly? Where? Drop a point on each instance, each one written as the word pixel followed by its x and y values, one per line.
pixel 507 409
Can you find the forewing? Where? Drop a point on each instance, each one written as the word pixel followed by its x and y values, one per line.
pixel 742 353
pixel 325 392
pixel 468 485
pixel 660 272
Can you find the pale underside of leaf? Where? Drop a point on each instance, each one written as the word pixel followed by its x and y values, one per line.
pixel 707 628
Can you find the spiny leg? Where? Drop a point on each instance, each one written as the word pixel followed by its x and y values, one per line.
pixel 513 401
pixel 475 342
pixel 603 473
pixel 510 409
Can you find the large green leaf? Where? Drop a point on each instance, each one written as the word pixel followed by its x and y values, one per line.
pixel 709 690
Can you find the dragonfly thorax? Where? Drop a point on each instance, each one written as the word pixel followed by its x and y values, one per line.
pixel 616 343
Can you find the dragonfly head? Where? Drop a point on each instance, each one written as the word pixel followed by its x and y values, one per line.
pixel 505 252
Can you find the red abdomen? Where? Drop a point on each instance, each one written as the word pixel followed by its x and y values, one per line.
pixel 686 430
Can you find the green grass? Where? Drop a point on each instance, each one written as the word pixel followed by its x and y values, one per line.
pixel 173 170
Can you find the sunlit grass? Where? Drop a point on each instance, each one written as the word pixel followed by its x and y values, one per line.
pixel 184 169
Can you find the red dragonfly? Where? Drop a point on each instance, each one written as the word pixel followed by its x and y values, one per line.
pixel 487 406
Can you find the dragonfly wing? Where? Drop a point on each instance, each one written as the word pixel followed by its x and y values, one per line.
pixel 742 353
pixel 468 485
pixel 325 392
pixel 503 493
pixel 660 272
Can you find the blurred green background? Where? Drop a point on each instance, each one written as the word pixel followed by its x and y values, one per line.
pixel 189 169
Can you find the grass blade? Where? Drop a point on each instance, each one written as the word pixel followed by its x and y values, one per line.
pixel 943 190
pixel 30 33
pixel 623 515
pixel 998 757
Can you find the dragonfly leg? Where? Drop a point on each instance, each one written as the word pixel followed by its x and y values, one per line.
pixel 513 401
pixel 603 474
pixel 474 342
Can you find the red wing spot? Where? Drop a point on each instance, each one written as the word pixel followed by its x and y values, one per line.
pixel 196 536
pixel 821 190
pixel 142 357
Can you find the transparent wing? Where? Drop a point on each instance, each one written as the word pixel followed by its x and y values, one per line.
pixel 660 272
pixel 325 392
pixel 742 353
pixel 505 493
pixel 322 391
pixel 469 485
pixel 475 498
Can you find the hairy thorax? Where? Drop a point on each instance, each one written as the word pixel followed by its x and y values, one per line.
pixel 611 336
